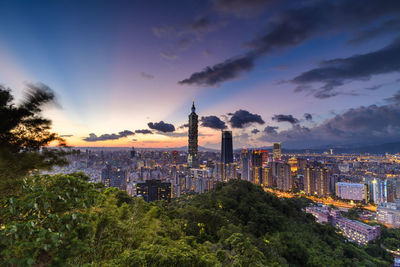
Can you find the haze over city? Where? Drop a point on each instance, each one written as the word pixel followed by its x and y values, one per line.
pixel 125 73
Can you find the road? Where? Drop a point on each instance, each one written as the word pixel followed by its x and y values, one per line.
pixel 326 201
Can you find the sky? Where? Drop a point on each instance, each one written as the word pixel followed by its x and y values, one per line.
pixel 125 73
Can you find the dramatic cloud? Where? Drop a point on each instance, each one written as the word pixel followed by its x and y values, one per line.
pixel 364 125
pixel 271 130
pixel 146 75
pixel 243 118
pixel 308 116
pixel 161 126
pixel 335 72
pixel 285 118
pixel 390 26
pixel 144 131
pixel 104 137
pixel 255 131
pixel 125 133
pixel 293 27
pixel 213 122
pixel 226 70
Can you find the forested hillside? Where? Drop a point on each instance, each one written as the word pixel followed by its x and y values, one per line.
pixel 65 220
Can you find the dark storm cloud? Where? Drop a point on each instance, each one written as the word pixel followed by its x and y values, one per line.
pixel 125 133
pixel 271 130
pixel 335 72
pixel 363 125
pixel 161 126
pixel 294 26
pixel 285 118
pixel 243 118
pixel 308 116
pixel 143 131
pixel 104 137
pixel 213 122
pixel 226 70
pixel 387 27
pixel 255 131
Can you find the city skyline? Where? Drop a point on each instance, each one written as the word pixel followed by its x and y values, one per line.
pixel 305 74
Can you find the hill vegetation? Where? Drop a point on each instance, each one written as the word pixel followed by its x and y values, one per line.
pixel 65 220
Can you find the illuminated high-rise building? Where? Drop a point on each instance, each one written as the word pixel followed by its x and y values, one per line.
pixel 133 153
pixel 316 181
pixel 152 190
pixel 257 158
pixel 193 161
pixel 175 157
pixel 293 162
pixel 282 176
pixel 277 151
pixel 226 147
pixel 244 157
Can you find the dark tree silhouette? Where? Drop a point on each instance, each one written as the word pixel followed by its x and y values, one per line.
pixel 24 135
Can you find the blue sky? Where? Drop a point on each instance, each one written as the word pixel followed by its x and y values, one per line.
pixel 119 65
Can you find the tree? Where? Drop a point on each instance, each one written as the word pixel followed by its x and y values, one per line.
pixel 24 134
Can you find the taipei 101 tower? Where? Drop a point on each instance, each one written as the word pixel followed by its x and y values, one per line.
pixel 193 160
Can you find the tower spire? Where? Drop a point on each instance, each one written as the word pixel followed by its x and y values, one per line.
pixel 193 107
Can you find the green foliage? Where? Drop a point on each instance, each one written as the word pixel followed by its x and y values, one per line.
pixel 353 214
pixel 64 220
pixel 23 132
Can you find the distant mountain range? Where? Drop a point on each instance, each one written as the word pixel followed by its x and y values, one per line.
pixel 391 148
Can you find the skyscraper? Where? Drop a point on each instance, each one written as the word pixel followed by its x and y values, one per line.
pixel 193 134
pixel 316 181
pixel 277 151
pixel 245 164
pixel 226 147
pixel 256 158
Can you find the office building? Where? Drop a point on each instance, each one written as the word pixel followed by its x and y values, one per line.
pixel 389 214
pixel 193 139
pixel 114 177
pixel 267 180
pixel 277 151
pixel 245 165
pixel 175 157
pixel 132 153
pixel 226 147
pixel 352 191
pixel 257 158
pixel 354 231
pixel 282 176
pixel 316 181
pixel 293 162
pixel 152 190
